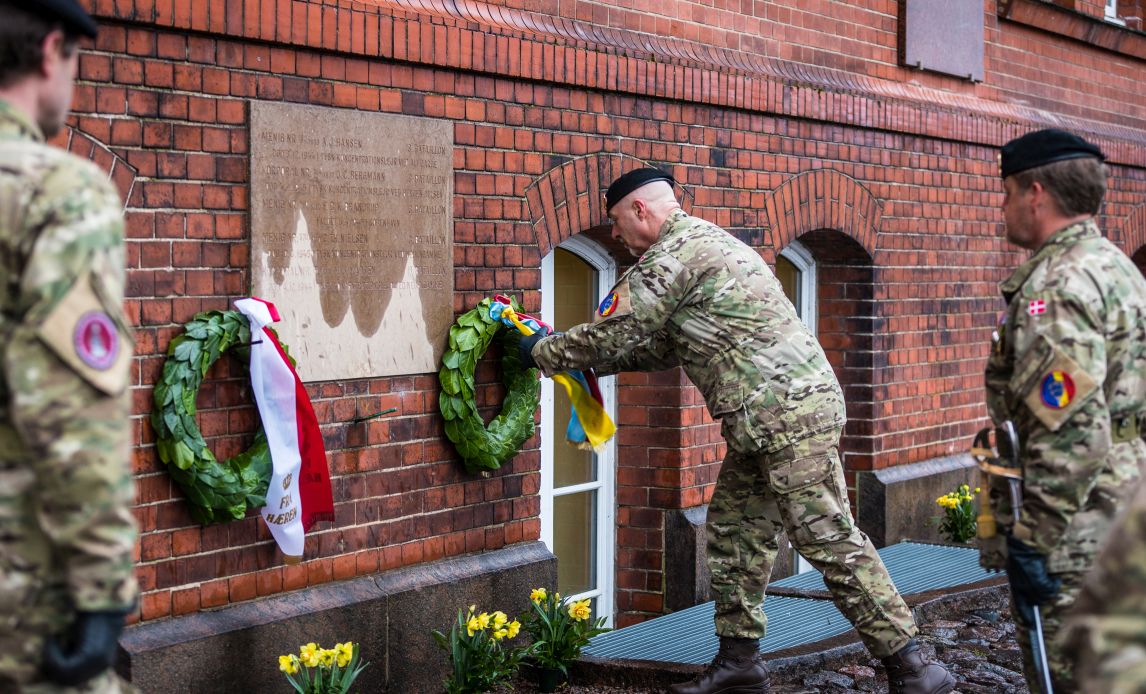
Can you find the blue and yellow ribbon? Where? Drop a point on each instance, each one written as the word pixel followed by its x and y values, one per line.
pixel 590 426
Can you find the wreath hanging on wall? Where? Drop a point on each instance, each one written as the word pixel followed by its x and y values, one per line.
pixel 484 448
pixel 217 491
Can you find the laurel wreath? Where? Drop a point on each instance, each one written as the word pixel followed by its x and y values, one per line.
pixel 217 491
pixel 482 447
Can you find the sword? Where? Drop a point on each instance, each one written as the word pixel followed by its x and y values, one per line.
pixel 1007 444
pixel 1039 648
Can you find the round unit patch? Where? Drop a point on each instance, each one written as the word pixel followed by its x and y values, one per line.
pixel 1057 389
pixel 608 305
pixel 96 340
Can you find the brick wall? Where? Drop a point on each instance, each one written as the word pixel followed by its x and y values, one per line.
pixel 888 175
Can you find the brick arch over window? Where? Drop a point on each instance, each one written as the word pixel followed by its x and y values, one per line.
pixel 823 199
pixel 567 199
pixel 85 146
pixel 1133 236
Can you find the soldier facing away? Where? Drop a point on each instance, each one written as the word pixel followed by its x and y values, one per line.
pixel 1068 371
pixel 699 298
pixel 66 528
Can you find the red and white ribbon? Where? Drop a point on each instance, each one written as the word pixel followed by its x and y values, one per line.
pixel 299 493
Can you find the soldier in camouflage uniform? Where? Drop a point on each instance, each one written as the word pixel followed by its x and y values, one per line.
pixel 1105 631
pixel 1068 369
pixel 699 298
pixel 66 527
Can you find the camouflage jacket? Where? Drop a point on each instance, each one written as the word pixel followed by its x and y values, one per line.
pixel 1068 367
pixel 1106 627
pixel 701 299
pixel 66 527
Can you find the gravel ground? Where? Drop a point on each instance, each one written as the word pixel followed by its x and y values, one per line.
pixel 976 644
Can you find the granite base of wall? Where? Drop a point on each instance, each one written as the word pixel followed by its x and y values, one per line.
pixel 687 578
pixel 236 649
pixel 898 503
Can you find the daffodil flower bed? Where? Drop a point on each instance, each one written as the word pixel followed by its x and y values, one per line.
pixel 318 670
pixel 958 522
pixel 560 629
pixel 479 651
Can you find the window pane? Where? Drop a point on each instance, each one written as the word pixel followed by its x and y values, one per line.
pixel 574 300
pixel 789 277
pixel 575 541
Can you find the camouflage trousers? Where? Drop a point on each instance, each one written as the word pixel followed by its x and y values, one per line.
pixel 799 489
pixel 1059 660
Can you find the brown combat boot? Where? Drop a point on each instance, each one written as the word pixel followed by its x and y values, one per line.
pixel 909 671
pixel 736 669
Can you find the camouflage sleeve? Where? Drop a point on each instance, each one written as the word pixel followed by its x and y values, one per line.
pixel 1061 350
pixel 1107 626
pixel 653 288
pixel 656 354
pixel 67 367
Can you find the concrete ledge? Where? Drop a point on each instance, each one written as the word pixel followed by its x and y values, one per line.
pixel 687 577
pixel 236 648
pixel 898 503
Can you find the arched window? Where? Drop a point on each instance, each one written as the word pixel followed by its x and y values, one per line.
pixel 577 487
pixel 796 270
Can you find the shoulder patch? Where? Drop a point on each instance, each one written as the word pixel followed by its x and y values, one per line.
pixel 1062 388
pixel 615 303
pixel 86 337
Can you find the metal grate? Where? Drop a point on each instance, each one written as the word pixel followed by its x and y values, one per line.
pixel 687 636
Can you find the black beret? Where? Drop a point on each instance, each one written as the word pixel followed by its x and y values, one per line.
pixel 1043 147
pixel 67 12
pixel 629 182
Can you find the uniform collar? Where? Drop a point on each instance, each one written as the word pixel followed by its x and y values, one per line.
pixel 14 123
pixel 674 218
pixel 1061 239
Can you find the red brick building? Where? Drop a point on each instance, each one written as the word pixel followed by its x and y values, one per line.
pixel 853 143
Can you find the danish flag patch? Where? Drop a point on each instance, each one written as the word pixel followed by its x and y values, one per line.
pixel 1036 307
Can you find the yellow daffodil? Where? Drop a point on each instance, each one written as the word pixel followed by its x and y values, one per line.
pixel 326 656
pixel 345 652
pixel 580 611
pixel 500 634
pixel 513 627
pixel 309 654
pixel 499 619
pixel 483 619
pixel 537 595
pixel 473 625
pixel 977 490
pixel 288 664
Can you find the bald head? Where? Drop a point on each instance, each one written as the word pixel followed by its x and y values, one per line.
pixel 639 216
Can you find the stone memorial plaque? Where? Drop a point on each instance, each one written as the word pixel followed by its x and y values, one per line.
pixel 352 237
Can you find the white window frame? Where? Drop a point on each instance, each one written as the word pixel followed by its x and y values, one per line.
pixel 799 255
pixel 606 272
pixel 1111 13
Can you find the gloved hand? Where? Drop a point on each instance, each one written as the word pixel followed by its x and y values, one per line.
pixel 85 650
pixel 1031 584
pixel 525 347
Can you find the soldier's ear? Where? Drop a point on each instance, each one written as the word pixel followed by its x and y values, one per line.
pixel 56 49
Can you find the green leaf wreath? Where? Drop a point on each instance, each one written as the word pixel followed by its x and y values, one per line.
pixel 482 447
pixel 217 491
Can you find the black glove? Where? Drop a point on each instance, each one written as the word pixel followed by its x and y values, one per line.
pixel 525 347
pixel 1031 584
pixel 85 650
